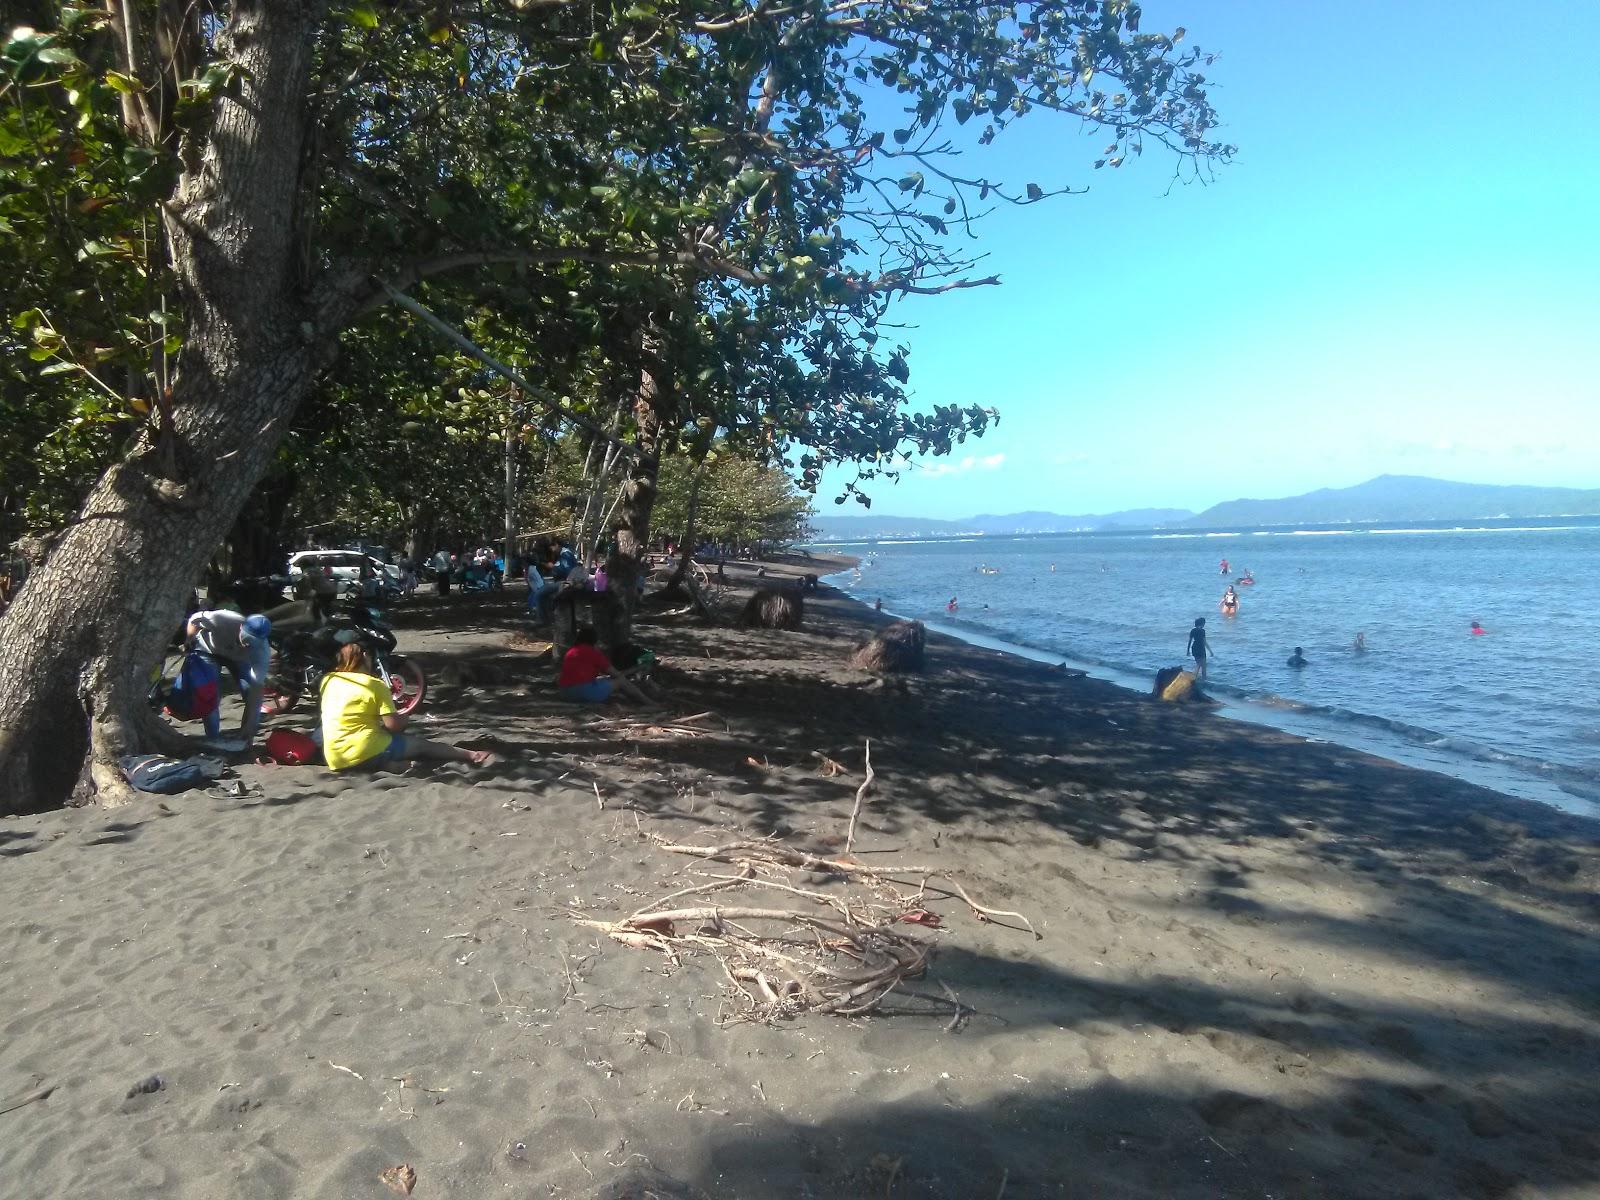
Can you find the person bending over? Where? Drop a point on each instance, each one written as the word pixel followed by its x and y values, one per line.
pixel 238 642
pixel 587 676
pixel 360 726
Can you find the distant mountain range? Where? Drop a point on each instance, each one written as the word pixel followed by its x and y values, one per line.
pixel 1399 498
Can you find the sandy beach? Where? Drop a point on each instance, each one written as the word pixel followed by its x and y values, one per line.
pixel 1264 967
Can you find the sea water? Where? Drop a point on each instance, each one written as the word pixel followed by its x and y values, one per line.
pixel 1513 709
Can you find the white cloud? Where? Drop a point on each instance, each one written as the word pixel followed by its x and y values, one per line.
pixel 988 462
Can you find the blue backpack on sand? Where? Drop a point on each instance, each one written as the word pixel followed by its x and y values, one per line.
pixel 166 776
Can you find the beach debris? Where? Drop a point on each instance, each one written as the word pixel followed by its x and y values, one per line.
pixel 845 957
pixel 401 1179
pixel 769 608
pixel 347 1070
pixel 32 1097
pixel 899 646
pixel 1174 684
pixel 147 1086
pixel 829 767
pixel 855 812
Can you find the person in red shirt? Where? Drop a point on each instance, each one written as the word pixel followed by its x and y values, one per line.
pixel 587 676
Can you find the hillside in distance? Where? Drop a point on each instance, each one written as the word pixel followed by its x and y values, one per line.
pixel 866 526
pixel 1403 498
pixel 1396 498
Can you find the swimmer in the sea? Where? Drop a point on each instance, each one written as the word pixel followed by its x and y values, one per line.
pixel 1361 644
pixel 1298 658
pixel 1230 602
pixel 951 607
pixel 1478 630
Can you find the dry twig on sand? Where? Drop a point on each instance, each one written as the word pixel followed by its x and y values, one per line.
pixel 776 854
pixel 779 962
pixel 31 1098
pixel 855 812
pixel 783 962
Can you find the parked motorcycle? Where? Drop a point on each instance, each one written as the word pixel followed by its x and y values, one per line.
pixel 301 657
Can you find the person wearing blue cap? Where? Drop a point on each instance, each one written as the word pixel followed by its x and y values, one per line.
pixel 241 644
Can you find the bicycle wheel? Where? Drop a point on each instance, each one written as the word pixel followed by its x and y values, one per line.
pixel 282 689
pixel 407 683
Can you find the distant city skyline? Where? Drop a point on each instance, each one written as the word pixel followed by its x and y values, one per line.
pixel 1395 276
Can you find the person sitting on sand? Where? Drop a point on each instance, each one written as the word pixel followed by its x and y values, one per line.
pixel 587 676
pixel 1298 658
pixel 360 726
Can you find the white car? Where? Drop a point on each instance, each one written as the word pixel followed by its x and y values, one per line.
pixel 346 567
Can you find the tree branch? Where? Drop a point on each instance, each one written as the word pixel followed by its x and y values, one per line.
pixel 462 342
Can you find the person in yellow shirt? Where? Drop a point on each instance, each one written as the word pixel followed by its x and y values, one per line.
pixel 360 726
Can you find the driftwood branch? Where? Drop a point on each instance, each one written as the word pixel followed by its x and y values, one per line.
pixel 855 812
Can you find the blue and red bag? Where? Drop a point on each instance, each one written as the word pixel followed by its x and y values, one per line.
pixel 197 690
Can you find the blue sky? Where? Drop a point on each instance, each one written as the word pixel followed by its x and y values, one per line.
pixel 1399 273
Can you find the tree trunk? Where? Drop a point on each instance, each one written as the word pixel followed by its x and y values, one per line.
pixel 513 436
pixel 76 648
pixel 686 550
pixel 638 498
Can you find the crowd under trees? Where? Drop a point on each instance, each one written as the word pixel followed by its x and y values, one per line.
pixel 454 267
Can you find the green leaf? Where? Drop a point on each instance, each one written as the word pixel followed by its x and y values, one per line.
pixel 1035 192
pixel 364 15
pixel 126 84
pixel 60 56
pixel 911 182
pixel 59 368
pixel 902 136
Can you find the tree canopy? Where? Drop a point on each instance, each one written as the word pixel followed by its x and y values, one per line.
pixel 346 251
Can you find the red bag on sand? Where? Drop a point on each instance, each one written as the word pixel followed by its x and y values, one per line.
pixel 292 749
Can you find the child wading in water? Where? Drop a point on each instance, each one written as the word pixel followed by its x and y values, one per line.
pixel 1197 647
